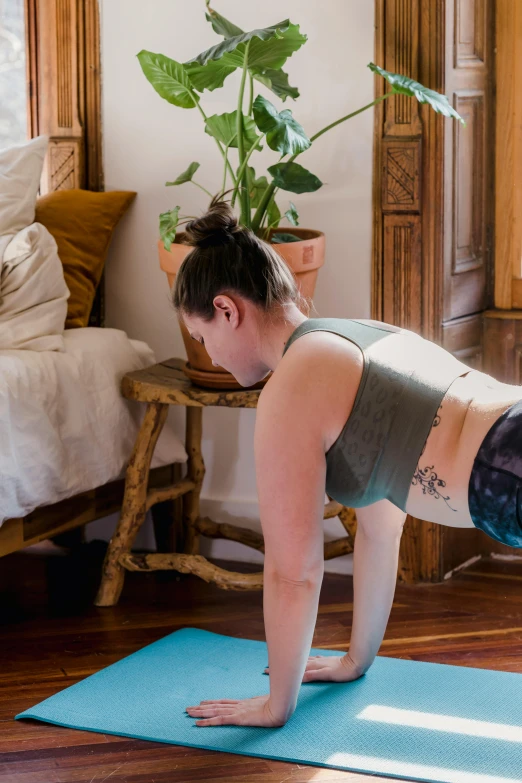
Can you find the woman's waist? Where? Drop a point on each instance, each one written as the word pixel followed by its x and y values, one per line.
pixel 469 409
pixel 489 399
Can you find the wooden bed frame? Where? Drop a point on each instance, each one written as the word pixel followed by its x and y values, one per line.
pixel 64 522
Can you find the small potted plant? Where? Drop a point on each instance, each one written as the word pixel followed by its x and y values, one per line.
pixel 259 56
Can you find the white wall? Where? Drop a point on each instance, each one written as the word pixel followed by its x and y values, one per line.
pixel 147 141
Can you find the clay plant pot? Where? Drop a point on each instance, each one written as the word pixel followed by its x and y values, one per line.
pixel 304 258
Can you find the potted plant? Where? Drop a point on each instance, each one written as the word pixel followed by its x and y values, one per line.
pixel 259 56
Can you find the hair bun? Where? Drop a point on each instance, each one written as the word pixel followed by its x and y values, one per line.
pixel 215 227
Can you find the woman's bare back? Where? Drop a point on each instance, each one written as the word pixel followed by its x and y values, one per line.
pixel 468 410
pixel 439 488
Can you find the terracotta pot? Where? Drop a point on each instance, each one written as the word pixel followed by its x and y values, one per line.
pixel 304 258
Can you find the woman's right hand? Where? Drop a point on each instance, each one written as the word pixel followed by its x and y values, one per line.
pixel 330 668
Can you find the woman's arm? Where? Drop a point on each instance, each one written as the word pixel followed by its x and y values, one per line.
pixel 375 560
pixel 291 475
pixel 290 610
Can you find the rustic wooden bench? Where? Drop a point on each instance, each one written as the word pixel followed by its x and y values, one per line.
pixel 159 386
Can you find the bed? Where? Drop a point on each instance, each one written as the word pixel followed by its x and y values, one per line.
pixel 66 433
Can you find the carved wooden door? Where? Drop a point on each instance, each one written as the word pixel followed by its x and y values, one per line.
pixel 433 206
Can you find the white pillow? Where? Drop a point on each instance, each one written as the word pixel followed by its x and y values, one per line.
pixel 33 292
pixel 20 172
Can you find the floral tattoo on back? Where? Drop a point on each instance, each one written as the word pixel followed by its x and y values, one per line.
pixel 427 478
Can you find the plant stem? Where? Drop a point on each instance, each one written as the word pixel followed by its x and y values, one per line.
pixel 254 147
pixel 348 117
pixel 260 211
pixel 225 170
pixel 269 192
pixel 251 101
pixel 243 166
pixel 244 194
pixel 201 188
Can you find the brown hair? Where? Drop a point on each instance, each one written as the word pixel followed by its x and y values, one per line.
pixel 230 257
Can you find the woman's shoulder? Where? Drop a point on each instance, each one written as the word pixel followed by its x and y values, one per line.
pixel 317 381
pixel 318 357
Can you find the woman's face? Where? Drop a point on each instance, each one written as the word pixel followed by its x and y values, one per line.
pixel 231 339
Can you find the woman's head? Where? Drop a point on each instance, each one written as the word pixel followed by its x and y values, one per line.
pixel 230 289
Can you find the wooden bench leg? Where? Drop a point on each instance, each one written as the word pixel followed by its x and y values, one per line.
pixel 167 518
pixel 195 472
pixel 134 504
pixel 349 521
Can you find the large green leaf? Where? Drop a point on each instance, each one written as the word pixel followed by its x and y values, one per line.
pixel 168 225
pixel 265 66
pixel 292 215
pixel 234 42
pixel 256 186
pixel 187 174
pixel 212 75
pixel 283 237
pixel 224 128
pixel 273 213
pixel 295 178
pixel 265 58
pixel 406 86
pixel 220 25
pixel 169 78
pixel 274 52
pixel 277 81
pixel 283 133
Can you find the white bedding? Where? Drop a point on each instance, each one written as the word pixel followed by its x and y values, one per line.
pixel 33 292
pixel 64 426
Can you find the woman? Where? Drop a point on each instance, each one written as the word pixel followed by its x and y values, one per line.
pixel 384 420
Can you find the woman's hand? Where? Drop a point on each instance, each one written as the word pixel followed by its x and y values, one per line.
pixel 330 668
pixel 235 712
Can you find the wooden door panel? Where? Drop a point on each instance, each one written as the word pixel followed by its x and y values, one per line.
pixel 468 162
pixel 469 26
pixel 463 337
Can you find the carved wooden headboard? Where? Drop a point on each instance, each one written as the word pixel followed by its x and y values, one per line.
pixel 64 97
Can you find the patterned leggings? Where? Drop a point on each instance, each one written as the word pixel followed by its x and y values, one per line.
pixel 495 484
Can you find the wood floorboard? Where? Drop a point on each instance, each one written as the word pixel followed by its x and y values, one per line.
pixel 51 636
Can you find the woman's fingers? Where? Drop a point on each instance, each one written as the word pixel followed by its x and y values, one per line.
pixel 311 658
pixel 209 712
pixel 314 665
pixel 315 670
pixel 317 674
pixel 219 701
pixel 213 701
pixel 215 716
pixel 219 721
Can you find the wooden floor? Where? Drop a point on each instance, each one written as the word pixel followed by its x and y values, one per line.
pixel 51 636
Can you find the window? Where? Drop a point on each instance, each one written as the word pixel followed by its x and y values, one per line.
pixel 13 97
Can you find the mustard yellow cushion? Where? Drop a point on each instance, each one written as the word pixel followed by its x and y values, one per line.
pixel 82 222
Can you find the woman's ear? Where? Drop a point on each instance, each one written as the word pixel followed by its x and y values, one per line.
pixel 225 305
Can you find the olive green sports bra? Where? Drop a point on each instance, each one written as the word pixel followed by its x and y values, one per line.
pixel 403 381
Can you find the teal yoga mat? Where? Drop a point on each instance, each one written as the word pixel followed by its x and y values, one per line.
pixel 415 720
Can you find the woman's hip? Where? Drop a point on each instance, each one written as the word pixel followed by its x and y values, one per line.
pixel 495 484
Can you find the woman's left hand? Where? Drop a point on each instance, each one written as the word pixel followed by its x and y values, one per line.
pixel 330 668
pixel 235 712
